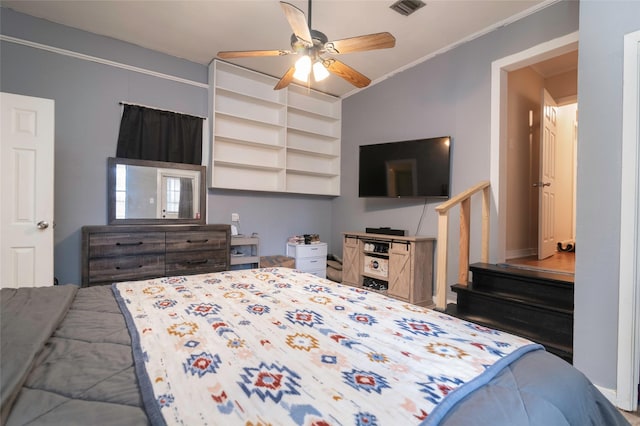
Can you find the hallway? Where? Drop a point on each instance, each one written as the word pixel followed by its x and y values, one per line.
pixel 560 262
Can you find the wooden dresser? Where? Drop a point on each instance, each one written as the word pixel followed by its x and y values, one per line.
pixel 135 252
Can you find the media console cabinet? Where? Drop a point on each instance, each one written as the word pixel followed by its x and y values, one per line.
pixel 400 267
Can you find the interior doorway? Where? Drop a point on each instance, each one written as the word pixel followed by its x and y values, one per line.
pixel 625 395
pixel 541 164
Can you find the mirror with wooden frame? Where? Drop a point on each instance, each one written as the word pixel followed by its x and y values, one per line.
pixel 155 192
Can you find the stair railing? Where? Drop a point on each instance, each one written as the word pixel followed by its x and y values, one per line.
pixel 464 200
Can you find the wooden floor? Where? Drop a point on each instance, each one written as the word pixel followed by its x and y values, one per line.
pixel 561 261
pixel 633 418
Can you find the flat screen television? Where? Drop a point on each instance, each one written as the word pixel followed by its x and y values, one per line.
pixel 415 168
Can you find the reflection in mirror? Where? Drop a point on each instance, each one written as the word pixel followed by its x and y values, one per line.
pixel 152 191
pixel 147 192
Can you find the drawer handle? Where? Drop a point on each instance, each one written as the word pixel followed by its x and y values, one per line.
pixel 197 262
pixel 139 243
pixel 313 261
pixel 130 267
pixel 197 241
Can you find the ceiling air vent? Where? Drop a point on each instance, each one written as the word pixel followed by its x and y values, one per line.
pixel 407 7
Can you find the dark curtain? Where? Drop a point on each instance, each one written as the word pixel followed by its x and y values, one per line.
pixel 185 205
pixel 151 134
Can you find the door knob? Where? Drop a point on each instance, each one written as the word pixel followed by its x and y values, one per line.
pixel 541 184
pixel 43 225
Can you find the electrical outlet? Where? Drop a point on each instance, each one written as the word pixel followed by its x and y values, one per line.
pixel 235 217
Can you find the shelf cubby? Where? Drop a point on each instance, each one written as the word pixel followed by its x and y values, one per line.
pixel 314 102
pixel 248 154
pixel 317 144
pixel 313 124
pixel 241 106
pixel 230 127
pixel 246 177
pixel 319 165
pixel 250 83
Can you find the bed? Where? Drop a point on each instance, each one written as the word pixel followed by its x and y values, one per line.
pixel 270 346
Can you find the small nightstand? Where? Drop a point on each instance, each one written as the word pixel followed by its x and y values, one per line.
pixel 244 252
pixel 310 258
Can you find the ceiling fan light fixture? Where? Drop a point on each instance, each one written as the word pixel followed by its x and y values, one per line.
pixel 303 68
pixel 309 45
pixel 319 71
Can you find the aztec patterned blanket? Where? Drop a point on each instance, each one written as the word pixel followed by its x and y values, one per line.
pixel 277 346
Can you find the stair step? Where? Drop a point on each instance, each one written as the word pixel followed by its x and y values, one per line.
pixel 512 298
pixel 543 288
pixel 556 324
pixel 564 351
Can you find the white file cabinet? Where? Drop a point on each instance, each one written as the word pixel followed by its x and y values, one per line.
pixel 310 258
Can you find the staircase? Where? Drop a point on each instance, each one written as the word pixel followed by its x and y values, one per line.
pixel 532 304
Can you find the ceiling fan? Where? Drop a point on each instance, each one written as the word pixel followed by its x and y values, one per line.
pixel 312 46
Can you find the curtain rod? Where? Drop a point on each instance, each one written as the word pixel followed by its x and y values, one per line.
pixel 160 109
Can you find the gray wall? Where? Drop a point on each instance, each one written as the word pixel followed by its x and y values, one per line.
pixel 446 95
pixel 602 28
pixel 274 217
pixel 87 121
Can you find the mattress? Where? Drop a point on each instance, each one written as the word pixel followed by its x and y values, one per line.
pixel 76 356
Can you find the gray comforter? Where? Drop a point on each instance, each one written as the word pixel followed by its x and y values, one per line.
pixel 84 373
pixel 537 389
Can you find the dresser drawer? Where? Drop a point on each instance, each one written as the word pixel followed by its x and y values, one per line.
pixel 311 263
pixel 122 244
pixel 307 250
pixel 196 262
pixel 126 268
pixel 196 240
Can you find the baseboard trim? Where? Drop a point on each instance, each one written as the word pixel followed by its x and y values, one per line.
pixel 516 254
pixel 610 394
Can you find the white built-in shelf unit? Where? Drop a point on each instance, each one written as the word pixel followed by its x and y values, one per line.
pixel 272 140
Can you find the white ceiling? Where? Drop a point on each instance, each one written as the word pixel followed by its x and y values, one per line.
pixel 557 65
pixel 197 30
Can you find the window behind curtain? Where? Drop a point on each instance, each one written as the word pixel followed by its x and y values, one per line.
pixel 151 134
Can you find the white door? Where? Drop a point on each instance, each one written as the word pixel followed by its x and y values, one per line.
pixel 546 178
pixel 629 281
pixel 26 189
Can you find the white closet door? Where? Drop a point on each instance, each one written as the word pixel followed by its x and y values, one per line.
pixel 26 189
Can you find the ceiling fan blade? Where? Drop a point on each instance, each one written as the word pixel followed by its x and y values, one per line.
pixel 342 70
pixel 358 44
pixel 298 22
pixel 286 79
pixel 252 53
